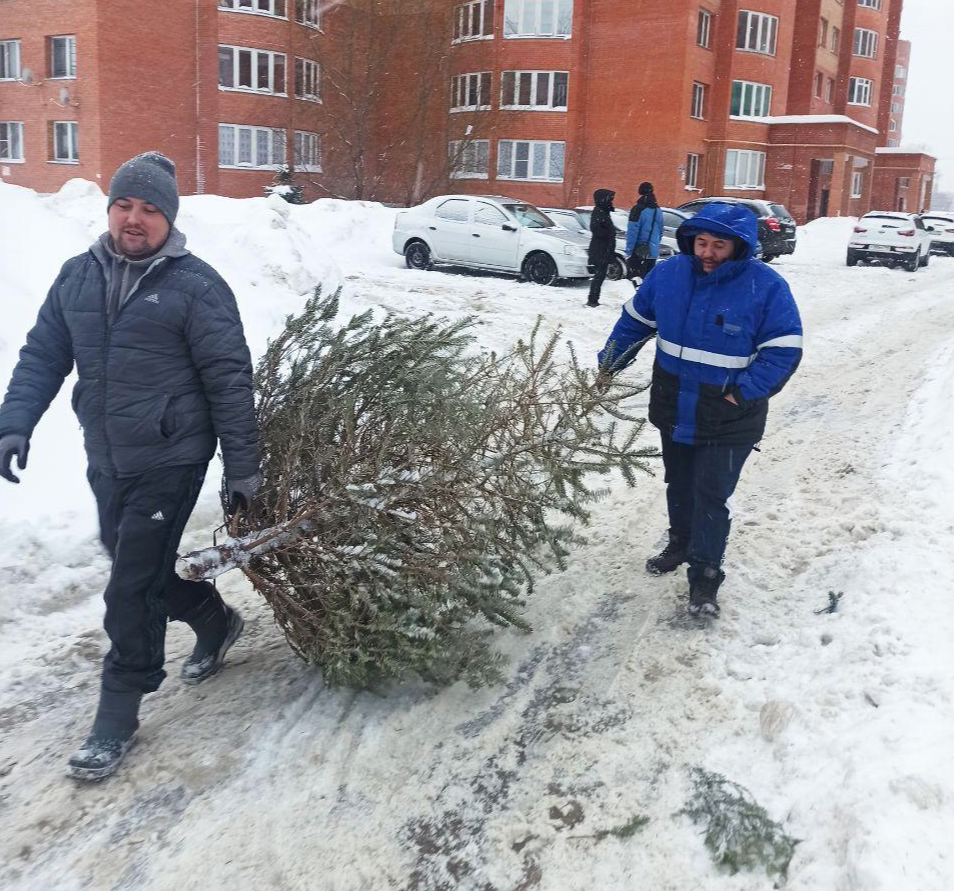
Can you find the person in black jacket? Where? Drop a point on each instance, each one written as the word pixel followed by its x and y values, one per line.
pixel 603 242
pixel 164 373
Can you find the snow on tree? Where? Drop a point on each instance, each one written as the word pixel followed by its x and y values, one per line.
pixel 415 487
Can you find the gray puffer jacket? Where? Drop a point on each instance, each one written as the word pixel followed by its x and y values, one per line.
pixel 159 382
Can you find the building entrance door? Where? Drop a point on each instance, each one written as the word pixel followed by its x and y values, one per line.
pixel 824 202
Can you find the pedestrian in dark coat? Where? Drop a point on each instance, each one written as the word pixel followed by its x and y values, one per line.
pixel 728 337
pixel 644 232
pixel 164 374
pixel 603 242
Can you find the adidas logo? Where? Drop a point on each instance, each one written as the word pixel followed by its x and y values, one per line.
pixel 153 298
pixel 157 516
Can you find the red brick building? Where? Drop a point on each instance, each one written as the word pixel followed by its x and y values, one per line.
pixel 898 93
pixel 546 100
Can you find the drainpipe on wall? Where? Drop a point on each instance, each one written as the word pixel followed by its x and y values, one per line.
pixel 196 86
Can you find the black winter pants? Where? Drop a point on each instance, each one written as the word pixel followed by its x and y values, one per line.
pixel 599 277
pixel 700 480
pixel 141 521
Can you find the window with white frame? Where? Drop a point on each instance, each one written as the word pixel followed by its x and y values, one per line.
pixel 306 151
pixel 750 100
pixel 9 60
pixel 894 126
pixel 818 85
pixel 469 158
pixel 693 171
pixel 828 89
pixel 545 90
pixel 744 169
pixel 903 182
pixel 898 89
pixel 865 43
pixel 822 41
pixel 861 91
pixel 259 71
pixel 470 92
pixel 530 160
pixel 757 32
pixel 65 142
pixel 537 18
pixel 307 12
pixel 251 147
pixel 870 4
pixel 11 140
pixel 63 57
pixel 473 21
pixel 306 79
pixel 896 107
pixel 900 72
pixel 704 27
pixel 835 41
pixel 275 8
pixel 856 187
pixel 893 143
pixel 698 100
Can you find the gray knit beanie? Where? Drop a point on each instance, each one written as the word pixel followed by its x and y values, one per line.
pixel 151 177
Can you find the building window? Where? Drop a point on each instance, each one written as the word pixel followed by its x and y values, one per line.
pixel 307 12
pixel 824 26
pixel 63 57
pixel 828 89
pixel 835 41
pixel 11 140
pixel 870 4
pixel 545 90
pixel 704 23
pixel 306 151
pixel 537 18
pixel 473 21
pixel 252 147
pixel 259 71
pixel 469 159
pixel 744 170
pixel 898 89
pixel 900 72
pixel 896 107
pixel 757 32
pixel 856 189
pixel 276 8
pixel 529 160
pixel 306 79
pixel 865 43
pixel 470 92
pixel 818 85
pixel 693 171
pixel 893 143
pixel 903 182
pixel 893 126
pixel 749 100
pixel 65 148
pixel 861 91
pixel 9 60
pixel 698 100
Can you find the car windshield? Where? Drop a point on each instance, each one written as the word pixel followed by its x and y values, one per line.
pixel 780 211
pixel 620 219
pixel 529 216
pixel 567 221
pixel 937 219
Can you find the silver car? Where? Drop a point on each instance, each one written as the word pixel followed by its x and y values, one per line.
pixel 490 232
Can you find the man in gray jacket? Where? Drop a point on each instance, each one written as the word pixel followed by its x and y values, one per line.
pixel 164 373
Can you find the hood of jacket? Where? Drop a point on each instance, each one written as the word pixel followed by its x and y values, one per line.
pixel 724 221
pixel 603 198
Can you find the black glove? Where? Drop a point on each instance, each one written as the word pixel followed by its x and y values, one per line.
pixel 240 493
pixel 13 444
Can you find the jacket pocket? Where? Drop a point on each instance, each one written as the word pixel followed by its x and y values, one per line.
pixel 168 417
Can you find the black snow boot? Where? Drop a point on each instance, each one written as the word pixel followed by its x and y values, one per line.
pixel 217 627
pixel 669 558
pixel 99 757
pixel 704 581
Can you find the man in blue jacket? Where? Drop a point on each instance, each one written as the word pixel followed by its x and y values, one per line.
pixel 163 374
pixel 728 338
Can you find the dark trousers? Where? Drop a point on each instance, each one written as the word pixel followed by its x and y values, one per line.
pixel 141 521
pixel 639 268
pixel 599 277
pixel 700 480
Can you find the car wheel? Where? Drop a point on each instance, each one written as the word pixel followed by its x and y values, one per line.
pixel 417 255
pixel 768 258
pixel 925 261
pixel 913 263
pixel 616 270
pixel 540 269
pixel 852 258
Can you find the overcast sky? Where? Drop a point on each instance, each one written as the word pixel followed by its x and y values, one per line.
pixel 928 111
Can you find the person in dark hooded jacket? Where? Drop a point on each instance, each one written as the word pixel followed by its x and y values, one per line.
pixel 603 242
pixel 728 337
pixel 163 374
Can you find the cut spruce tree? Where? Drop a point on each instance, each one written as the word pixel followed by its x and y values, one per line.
pixel 415 486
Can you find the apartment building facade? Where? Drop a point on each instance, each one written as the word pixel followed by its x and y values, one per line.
pixel 544 100
pixel 898 93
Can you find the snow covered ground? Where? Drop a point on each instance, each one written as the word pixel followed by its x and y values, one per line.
pixel 839 724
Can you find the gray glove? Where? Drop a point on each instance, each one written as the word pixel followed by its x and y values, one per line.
pixel 240 493
pixel 13 444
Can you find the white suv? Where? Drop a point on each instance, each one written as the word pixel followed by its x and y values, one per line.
pixel 890 237
pixel 942 234
pixel 490 232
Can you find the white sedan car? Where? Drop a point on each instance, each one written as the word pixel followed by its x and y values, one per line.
pixel 489 232
pixel 942 235
pixel 891 238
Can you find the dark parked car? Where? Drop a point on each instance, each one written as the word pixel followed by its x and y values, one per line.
pixel 775 226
